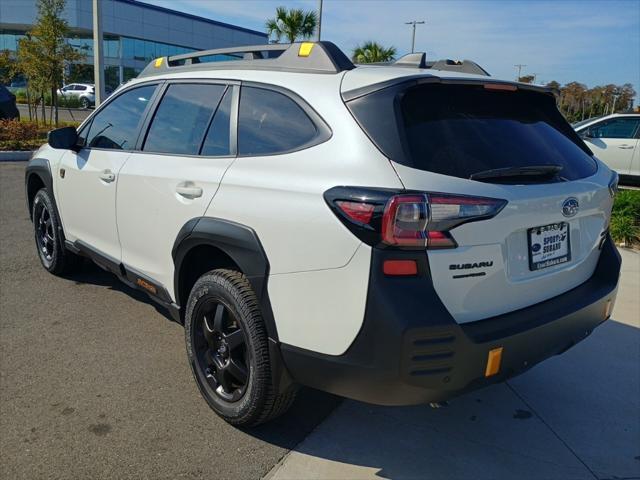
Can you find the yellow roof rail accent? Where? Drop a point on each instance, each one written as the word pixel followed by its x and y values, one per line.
pixel 305 49
pixel 158 62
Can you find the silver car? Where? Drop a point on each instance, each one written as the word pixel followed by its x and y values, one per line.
pixel 83 91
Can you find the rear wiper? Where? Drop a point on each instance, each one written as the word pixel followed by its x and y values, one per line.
pixel 531 172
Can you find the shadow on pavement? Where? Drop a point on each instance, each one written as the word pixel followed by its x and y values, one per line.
pixel 310 408
pixel 573 416
pixel 92 274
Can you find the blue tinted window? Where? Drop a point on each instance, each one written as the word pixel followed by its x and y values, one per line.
pixel 138 49
pixel 270 122
pixel 116 125
pixel 128 48
pixel 216 143
pixel 459 130
pixel 180 121
pixel 615 128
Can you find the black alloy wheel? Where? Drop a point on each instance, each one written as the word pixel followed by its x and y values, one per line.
pixel 221 350
pixel 228 350
pixel 45 239
pixel 55 258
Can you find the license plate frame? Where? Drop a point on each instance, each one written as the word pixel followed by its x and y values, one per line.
pixel 550 261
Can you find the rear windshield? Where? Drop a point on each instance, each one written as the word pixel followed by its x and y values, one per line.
pixel 459 130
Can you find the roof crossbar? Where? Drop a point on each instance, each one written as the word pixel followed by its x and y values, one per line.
pixel 309 57
pixel 419 60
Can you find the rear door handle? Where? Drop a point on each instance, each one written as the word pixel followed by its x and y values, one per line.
pixel 107 176
pixel 625 147
pixel 189 190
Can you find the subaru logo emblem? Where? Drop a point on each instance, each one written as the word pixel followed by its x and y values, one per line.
pixel 570 207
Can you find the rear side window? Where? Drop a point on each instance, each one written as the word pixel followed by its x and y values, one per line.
pixel 459 130
pixel 116 125
pixel 182 118
pixel 270 122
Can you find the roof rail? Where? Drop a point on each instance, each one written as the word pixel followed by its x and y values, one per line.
pixel 419 60
pixel 308 57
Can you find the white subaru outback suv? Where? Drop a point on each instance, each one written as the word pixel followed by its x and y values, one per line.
pixel 397 234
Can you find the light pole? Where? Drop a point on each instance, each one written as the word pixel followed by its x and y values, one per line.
pixel 413 38
pixel 319 18
pixel 519 66
pixel 98 59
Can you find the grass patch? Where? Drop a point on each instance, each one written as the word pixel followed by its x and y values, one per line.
pixel 63 101
pixel 625 218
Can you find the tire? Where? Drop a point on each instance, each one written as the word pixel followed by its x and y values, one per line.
pixel 84 102
pixel 55 258
pixel 228 351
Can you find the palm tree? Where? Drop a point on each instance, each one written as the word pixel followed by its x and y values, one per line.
pixel 372 52
pixel 292 24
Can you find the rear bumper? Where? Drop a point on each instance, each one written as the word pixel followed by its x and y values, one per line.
pixel 410 350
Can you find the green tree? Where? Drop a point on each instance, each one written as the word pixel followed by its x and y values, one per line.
pixel 292 24
pixel 372 52
pixel 8 66
pixel 44 53
pixel 526 79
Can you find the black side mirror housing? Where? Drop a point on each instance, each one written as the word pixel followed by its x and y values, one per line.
pixel 65 138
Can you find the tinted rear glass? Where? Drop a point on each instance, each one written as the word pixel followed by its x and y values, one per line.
pixel 459 130
pixel 270 122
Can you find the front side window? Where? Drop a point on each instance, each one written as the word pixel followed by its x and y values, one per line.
pixel 182 118
pixel 615 128
pixel 116 125
pixel 270 122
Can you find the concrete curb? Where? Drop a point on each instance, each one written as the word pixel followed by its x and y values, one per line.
pixel 16 156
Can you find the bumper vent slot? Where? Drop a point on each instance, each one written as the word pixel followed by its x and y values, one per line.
pixel 424 342
pixel 430 355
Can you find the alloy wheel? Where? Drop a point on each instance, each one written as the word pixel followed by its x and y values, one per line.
pixel 44 234
pixel 221 351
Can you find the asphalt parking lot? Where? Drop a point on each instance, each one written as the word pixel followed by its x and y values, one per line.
pixel 94 383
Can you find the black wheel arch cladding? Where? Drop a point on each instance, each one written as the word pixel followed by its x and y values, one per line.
pixel 38 173
pixel 240 243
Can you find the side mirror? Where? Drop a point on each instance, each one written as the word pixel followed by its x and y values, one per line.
pixel 587 133
pixel 65 138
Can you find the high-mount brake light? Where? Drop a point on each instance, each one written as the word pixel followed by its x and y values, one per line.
pixel 500 86
pixel 417 220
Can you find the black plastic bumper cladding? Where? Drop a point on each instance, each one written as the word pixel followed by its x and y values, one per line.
pixel 410 350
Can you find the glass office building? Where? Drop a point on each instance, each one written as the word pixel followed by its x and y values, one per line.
pixel 134 34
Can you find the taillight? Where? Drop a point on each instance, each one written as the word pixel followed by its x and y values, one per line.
pixel 404 222
pixel 387 218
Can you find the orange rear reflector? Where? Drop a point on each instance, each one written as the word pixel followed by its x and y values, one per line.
pixel 400 267
pixel 493 362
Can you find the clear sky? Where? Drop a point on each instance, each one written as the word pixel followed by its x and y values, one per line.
pixel 591 41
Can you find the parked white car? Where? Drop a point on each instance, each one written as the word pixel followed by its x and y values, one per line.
pixel 396 234
pixel 615 139
pixel 85 92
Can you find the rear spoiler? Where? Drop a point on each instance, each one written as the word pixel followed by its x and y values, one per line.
pixel 428 78
pixel 419 60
